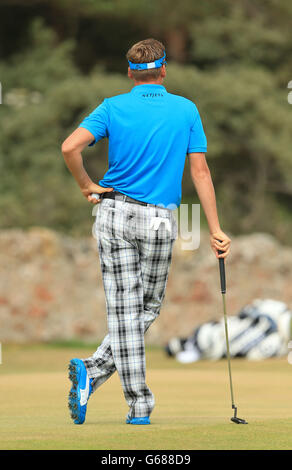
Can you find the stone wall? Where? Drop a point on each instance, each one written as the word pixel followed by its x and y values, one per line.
pixel 51 287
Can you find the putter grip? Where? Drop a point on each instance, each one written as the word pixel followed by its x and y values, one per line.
pixel 222 273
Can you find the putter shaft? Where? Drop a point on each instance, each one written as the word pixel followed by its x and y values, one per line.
pixel 228 354
pixel 234 419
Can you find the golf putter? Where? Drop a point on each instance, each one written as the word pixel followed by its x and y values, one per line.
pixel 234 419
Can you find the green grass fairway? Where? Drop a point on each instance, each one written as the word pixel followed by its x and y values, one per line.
pixel 192 404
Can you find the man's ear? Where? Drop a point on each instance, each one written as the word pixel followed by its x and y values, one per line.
pixel 163 71
pixel 130 73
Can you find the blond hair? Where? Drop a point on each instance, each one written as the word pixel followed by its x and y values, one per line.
pixel 142 52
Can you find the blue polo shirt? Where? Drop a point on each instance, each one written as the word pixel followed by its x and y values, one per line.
pixel 150 132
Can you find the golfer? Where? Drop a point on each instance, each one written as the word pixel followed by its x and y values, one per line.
pixel 150 132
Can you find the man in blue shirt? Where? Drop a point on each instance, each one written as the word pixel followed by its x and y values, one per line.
pixel 150 132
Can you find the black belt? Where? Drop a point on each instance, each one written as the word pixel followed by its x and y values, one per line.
pixel 122 197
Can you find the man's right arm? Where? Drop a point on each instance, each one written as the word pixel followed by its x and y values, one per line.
pixel 202 180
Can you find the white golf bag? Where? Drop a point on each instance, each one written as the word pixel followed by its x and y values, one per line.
pixel 260 330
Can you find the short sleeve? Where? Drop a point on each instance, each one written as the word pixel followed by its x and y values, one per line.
pixel 197 140
pixel 97 122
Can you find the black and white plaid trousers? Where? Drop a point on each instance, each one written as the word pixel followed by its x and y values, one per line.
pixel 135 247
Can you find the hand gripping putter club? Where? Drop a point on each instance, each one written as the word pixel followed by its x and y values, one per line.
pixel 234 419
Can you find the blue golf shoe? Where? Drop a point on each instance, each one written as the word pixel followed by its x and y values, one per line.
pixel 80 391
pixel 143 420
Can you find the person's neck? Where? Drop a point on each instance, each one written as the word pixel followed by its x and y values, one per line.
pixel 158 82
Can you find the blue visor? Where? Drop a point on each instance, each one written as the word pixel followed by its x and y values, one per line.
pixel 150 65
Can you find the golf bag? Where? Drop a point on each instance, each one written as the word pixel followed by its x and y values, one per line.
pixel 260 330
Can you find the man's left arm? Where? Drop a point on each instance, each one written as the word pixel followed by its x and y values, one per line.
pixel 72 149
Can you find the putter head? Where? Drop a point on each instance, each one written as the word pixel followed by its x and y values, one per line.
pixel 235 419
pixel 238 420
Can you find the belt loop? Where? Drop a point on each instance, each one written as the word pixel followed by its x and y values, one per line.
pixel 124 197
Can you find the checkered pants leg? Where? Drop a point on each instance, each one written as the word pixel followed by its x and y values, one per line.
pixel 135 261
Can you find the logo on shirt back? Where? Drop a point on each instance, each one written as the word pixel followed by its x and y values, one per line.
pixel 152 95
